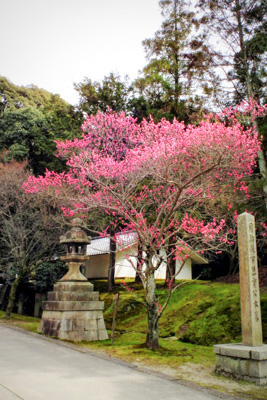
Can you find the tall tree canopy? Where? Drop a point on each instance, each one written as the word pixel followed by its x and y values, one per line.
pixel 31 119
pixel 240 27
pixel 237 39
pixel 112 92
pixel 14 97
pixel 172 81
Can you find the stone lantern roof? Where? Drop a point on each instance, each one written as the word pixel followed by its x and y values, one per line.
pixel 76 234
pixel 75 241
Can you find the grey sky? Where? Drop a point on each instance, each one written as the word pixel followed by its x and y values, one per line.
pixel 54 43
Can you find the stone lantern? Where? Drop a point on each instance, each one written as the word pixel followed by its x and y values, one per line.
pixel 75 241
pixel 73 310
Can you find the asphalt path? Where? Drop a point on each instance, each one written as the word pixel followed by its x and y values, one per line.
pixel 32 368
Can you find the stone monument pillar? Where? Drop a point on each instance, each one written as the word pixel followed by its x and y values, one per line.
pixel 73 310
pixel 249 282
pixel 246 360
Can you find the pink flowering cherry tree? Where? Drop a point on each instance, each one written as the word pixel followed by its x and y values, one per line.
pixel 167 182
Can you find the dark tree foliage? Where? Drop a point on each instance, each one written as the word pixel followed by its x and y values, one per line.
pixel 30 227
pixel 30 122
pixel 47 274
pixel 111 93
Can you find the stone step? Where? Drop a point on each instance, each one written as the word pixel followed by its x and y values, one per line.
pixel 73 296
pixel 76 329
pixel 72 305
pixel 74 286
pixel 73 315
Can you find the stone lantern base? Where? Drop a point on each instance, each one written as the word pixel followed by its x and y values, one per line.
pixel 238 361
pixel 73 312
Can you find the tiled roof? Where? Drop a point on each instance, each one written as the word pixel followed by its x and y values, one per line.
pixel 102 245
pixel 98 246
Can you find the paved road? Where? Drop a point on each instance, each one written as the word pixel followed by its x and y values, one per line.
pixel 35 369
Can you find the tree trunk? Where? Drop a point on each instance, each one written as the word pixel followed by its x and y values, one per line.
pixel 139 263
pixel 171 265
pixel 170 272
pixel 232 266
pixel 111 268
pixel 263 170
pixel 176 68
pixel 12 296
pixel 152 339
pixel 233 259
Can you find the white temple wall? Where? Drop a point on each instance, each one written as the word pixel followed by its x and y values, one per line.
pixel 97 266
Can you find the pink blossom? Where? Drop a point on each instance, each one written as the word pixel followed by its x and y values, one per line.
pixel 156 178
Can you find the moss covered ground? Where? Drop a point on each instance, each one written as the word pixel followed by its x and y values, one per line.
pixel 201 313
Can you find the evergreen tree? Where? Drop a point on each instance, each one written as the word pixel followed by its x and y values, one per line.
pixel 111 93
pixel 172 81
pixel 31 119
pixel 241 27
pixel 14 97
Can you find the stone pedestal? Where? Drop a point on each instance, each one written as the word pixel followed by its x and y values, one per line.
pixel 238 361
pixel 247 360
pixel 73 312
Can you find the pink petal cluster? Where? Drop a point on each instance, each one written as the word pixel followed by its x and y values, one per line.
pixel 151 178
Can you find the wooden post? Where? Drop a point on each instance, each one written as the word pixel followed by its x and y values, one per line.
pixel 249 281
pixel 116 297
pixel 112 262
